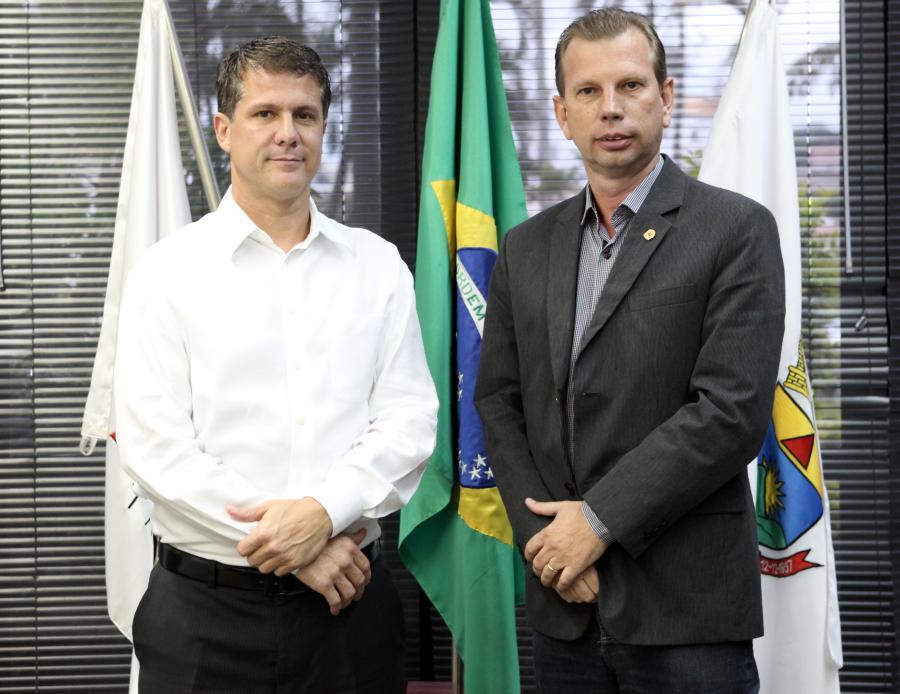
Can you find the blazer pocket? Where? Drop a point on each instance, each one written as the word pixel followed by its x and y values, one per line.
pixel 670 296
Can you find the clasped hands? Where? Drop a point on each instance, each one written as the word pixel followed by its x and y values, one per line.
pixel 563 554
pixel 294 536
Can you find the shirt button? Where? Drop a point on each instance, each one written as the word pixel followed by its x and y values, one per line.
pixel 301 420
pixel 607 253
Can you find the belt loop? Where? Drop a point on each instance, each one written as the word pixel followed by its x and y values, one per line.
pixel 213 574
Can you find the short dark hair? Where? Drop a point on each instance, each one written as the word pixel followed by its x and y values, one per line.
pixel 607 23
pixel 272 54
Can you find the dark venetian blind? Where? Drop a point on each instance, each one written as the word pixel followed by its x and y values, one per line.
pixel 892 136
pixel 66 73
pixel 859 460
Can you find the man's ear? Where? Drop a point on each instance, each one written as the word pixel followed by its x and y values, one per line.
pixel 562 117
pixel 222 127
pixel 667 91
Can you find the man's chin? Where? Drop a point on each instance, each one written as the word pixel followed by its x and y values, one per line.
pixel 620 165
pixel 280 193
pixel 287 191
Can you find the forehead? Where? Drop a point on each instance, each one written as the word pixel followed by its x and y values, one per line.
pixel 628 52
pixel 279 88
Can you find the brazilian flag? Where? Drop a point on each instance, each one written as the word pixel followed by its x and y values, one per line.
pixel 455 536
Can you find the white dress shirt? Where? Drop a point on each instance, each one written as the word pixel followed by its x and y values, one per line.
pixel 244 373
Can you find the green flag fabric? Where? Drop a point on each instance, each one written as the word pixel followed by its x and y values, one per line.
pixel 455 536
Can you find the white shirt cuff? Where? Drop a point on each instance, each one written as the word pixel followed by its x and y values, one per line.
pixel 340 497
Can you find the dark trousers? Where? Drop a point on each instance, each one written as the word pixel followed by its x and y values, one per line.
pixel 190 637
pixel 598 664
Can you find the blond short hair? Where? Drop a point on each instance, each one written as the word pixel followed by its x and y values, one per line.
pixel 607 23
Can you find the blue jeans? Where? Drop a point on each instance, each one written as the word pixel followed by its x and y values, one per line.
pixel 598 664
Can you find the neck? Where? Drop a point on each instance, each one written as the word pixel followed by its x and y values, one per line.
pixel 609 192
pixel 286 222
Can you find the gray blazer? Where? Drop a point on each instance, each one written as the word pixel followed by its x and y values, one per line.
pixel 674 387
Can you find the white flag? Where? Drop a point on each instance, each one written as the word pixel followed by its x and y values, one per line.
pixel 751 151
pixel 152 202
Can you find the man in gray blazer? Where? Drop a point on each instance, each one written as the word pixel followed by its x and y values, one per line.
pixel 627 373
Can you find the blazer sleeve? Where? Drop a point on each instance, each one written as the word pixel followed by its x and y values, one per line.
pixel 716 433
pixel 498 398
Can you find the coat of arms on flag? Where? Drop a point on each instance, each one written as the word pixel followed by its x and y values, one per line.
pixel 789 475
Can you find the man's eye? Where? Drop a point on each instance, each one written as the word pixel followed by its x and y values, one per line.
pixel 586 91
pixel 264 114
pixel 632 85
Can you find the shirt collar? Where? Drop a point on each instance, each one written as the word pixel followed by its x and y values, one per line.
pixel 632 201
pixel 236 226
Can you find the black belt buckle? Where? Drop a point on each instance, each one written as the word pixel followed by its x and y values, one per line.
pixel 283 585
pixel 271 585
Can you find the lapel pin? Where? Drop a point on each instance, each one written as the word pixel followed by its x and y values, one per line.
pixel 650 234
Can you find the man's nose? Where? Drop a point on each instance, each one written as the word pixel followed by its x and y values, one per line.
pixel 611 106
pixel 287 131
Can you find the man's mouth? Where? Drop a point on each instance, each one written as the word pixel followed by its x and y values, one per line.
pixel 614 142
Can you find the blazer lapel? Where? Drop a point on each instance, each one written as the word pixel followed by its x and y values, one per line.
pixel 562 280
pixel 645 233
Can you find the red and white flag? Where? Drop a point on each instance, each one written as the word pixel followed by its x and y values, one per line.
pixel 152 203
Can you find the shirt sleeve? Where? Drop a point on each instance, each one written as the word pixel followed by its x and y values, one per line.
pixel 597 525
pixel 153 408
pixel 381 470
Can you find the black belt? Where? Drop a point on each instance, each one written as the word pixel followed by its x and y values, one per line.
pixel 215 574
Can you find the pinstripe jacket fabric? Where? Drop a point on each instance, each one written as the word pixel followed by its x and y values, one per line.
pixel 673 384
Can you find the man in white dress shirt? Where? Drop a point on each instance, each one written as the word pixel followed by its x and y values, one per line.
pixel 273 401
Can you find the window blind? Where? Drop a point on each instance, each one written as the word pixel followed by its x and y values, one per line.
pixel 65 86
pixel 857 457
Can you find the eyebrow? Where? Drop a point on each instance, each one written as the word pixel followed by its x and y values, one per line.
pixel 267 106
pixel 590 81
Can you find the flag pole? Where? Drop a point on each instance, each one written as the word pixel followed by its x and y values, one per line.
pixel 744 28
pixel 750 8
pixel 456 672
pixel 189 109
